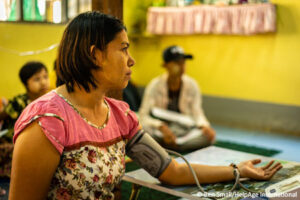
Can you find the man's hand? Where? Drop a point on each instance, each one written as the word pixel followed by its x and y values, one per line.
pixel 168 136
pixel 248 170
pixel 209 133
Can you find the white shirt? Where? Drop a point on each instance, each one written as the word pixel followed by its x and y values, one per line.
pixel 156 95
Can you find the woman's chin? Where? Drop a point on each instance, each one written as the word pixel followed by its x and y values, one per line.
pixel 125 84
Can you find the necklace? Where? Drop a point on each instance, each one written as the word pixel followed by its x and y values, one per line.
pixel 83 117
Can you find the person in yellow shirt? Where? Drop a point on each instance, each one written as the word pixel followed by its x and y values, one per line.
pixel 34 76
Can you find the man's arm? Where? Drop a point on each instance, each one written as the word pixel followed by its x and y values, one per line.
pixel 147 104
pixel 197 110
pixel 199 116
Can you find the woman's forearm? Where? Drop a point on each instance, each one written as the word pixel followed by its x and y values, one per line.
pixel 180 174
pixel 207 174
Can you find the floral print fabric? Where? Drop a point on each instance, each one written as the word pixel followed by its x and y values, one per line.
pixel 89 172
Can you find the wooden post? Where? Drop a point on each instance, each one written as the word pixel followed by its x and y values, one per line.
pixel 115 8
pixel 112 7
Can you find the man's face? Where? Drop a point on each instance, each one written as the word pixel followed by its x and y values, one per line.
pixel 176 68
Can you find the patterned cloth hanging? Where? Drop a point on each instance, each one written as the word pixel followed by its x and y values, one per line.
pixel 205 19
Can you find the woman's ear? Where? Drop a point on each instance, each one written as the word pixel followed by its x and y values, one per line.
pixel 96 55
pixel 92 51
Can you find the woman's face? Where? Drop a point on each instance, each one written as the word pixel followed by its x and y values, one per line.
pixel 38 84
pixel 175 68
pixel 115 62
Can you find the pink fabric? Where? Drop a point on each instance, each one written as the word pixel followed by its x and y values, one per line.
pixel 238 19
pixel 72 131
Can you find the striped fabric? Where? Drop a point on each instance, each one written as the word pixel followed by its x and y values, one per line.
pixel 236 20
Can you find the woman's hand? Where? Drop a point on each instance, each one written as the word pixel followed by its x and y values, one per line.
pixel 248 170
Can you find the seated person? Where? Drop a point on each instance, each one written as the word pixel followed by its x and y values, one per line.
pixel 131 96
pixel 177 92
pixel 34 76
pixel 71 143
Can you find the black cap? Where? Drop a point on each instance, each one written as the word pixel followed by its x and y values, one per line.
pixel 174 53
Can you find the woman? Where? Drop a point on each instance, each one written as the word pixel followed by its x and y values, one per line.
pixel 70 143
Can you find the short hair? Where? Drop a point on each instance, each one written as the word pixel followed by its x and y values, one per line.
pixel 58 82
pixel 75 61
pixel 29 69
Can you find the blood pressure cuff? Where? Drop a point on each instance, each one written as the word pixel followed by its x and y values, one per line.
pixel 143 149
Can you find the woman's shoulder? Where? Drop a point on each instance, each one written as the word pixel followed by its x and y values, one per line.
pixel 120 110
pixel 123 117
pixel 48 103
pixel 49 112
pixel 117 104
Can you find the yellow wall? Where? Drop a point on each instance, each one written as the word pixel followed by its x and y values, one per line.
pixel 21 38
pixel 261 68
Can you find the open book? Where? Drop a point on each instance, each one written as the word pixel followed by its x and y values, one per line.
pixel 183 126
pixel 171 116
pixel 192 134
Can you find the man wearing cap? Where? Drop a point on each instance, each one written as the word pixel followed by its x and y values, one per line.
pixel 177 94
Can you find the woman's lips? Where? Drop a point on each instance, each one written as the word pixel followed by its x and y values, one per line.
pixel 128 74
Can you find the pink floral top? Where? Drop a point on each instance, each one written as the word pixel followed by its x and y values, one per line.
pixel 92 158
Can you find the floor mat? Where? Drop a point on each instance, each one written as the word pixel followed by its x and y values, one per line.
pixel 247 148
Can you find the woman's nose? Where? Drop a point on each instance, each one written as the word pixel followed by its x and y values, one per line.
pixel 131 61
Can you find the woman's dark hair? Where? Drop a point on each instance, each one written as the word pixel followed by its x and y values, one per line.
pixel 58 82
pixel 29 69
pixel 75 61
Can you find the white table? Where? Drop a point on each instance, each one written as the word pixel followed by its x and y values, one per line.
pixel 209 156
